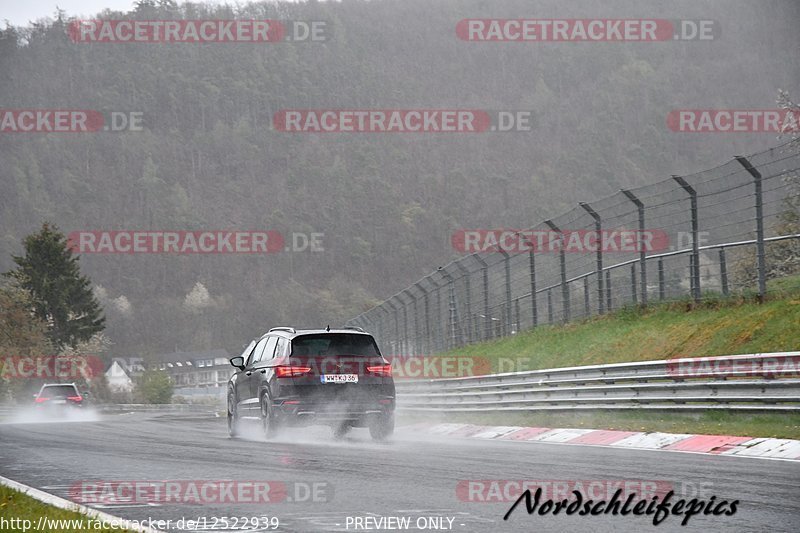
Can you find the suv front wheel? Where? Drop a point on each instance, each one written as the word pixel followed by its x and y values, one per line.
pixel 233 419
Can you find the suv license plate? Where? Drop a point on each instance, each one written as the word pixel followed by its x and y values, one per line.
pixel 339 378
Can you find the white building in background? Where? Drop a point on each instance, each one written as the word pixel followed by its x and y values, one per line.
pixel 122 372
pixel 196 374
pixel 118 379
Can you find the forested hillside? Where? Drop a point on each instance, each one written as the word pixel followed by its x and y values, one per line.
pixel 209 158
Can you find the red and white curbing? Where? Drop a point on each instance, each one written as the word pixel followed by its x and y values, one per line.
pixel 760 448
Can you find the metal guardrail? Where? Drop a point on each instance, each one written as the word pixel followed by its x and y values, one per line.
pixel 743 382
pixel 132 407
pixel 167 407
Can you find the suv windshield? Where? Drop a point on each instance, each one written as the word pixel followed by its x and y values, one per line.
pixel 58 390
pixel 326 344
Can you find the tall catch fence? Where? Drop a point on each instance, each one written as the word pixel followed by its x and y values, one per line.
pixel 712 234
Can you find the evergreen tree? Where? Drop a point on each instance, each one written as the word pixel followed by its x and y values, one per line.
pixel 62 297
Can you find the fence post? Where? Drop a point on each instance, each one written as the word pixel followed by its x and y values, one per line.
pixel 534 304
pixel 634 298
pixel 382 329
pixel 376 327
pixel 608 290
pixel 695 262
pixel 423 332
pixel 549 306
pixel 396 343
pixel 406 348
pixel 419 348
pixel 466 276
pixel 434 320
pixel 430 346
pixel 452 315
pixel 723 272
pixel 532 268
pixel 586 311
pixel 661 282
pixel 760 254
pixel 487 317
pixel 373 326
pixel 563 259
pixel 640 244
pixel 507 264
pixel 598 227
pixel 387 328
pixel 438 325
pixel 400 338
pixel 361 322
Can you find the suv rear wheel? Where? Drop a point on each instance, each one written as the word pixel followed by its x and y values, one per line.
pixel 382 427
pixel 268 421
pixel 341 430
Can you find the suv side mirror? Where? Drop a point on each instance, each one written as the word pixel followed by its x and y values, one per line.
pixel 238 362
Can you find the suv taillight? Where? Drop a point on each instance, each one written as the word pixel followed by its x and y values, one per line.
pixel 75 398
pixel 380 370
pixel 41 400
pixel 291 371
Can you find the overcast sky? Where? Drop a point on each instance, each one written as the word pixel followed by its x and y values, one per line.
pixel 20 12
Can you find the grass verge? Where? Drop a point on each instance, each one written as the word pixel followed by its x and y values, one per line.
pixel 716 326
pixel 16 508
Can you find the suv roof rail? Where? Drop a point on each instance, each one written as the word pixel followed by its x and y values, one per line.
pixel 283 328
pixel 356 328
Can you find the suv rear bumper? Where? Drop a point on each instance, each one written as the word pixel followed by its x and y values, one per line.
pixel 305 414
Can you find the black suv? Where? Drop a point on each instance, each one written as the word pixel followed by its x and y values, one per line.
pixel 336 377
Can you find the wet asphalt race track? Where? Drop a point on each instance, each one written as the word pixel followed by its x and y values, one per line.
pixel 413 476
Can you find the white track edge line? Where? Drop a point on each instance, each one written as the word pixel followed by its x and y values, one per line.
pixel 61 503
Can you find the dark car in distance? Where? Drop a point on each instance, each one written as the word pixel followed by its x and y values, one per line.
pixel 56 398
pixel 290 377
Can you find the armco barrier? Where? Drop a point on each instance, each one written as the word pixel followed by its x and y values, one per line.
pixel 171 407
pixel 742 382
pixel 136 407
